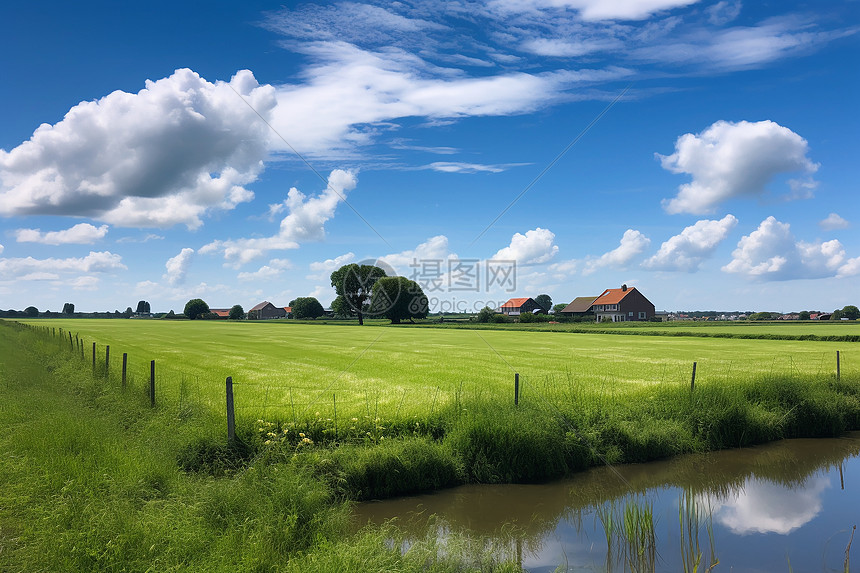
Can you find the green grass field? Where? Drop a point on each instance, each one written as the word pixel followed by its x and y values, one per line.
pixel 286 370
pixel 97 480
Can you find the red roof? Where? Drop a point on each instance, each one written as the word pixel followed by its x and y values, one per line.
pixel 288 309
pixel 613 295
pixel 515 302
pixel 222 312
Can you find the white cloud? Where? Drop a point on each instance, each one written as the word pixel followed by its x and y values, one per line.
pixel 833 222
pixel 597 9
pixel 29 268
pixel 323 269
pixel 633 243
pixel 80 234
pixel 563 269
pixel 730 160
pixel 460 167
pixel 361 89
pixel 177 267
pixel 535 247
pixel 323 293
pixel 163 156
pixel 771 252
pixel 687 250
pixel 305 222
pixel 723 12
pixel 264 273
pixel 433 249
pixel 565 48
pixel 88 283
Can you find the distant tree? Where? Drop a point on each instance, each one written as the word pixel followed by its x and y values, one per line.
pixel 559 307
pixel 31 311
pixel 850 312
pixel 143 307
pixel 804 315
pixel 545 301
pixel 761 316
pixel 170 314
pixel 196 308
pixel 355 284
pixel 128 312
pixel 836 314
pixel 398 298
pixel 68 308
pixel 486 314
pixel 306 307
pixel 339 307
pixel 236 312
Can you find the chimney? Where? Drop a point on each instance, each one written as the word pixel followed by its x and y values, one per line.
pixel 623 288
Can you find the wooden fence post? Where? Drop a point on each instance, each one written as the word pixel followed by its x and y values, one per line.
pixel 838 373
pixel 152 384
pixel 516 388
pixel 94 357
pixel 107 360
pixel 231 420
pixel 71 345
pixel 693 379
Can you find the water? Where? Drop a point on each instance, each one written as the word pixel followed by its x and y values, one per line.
pixel 786 506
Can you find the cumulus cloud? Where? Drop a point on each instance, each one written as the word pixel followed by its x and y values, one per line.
pixel 80 234
pixel 730 160
pixel 160 157
pixel 687 250
pixel 322 269
pixel 633 243
pixel 177 267
pixel 771 252
pixel 535 247
pixel 304 222
pixel 29 268
pixel 264 273
pixel 833 222
pixel 433 249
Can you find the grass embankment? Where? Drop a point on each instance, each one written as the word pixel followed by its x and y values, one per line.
pixel 91 481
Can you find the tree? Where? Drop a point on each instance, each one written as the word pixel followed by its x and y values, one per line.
pixel 236 312
pixel 355 284
pixel 836 315
pixel 545 301
pixel 398 298
pixel 142 307
pixel 128 312
pixel 339 307
pixel 306 307
pixel 196 308
pixel 804 315
pixel 850 312
pixel 559 307
pixel 486 314
pixel 68 308
pixel 31 311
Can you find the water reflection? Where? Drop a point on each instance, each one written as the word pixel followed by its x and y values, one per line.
pixel 763 508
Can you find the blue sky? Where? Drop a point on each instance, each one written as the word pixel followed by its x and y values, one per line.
pixel 705 152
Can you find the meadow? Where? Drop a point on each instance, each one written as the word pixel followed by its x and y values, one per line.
pixel 100 481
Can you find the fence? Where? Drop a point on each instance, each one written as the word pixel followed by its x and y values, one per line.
pixel 344 410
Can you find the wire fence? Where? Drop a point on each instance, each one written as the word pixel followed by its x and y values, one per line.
pixel 345 407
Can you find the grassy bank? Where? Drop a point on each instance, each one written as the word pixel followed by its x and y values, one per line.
pixel 92 482
pixel 99 481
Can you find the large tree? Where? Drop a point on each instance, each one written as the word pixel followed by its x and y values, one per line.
pixel 398 298
pixel 339 307
pixel 851 312
pixel 142 307
pixel 545 301
pixel 306 307
pixel 68 308
pixel 31 311
pixel 196 308
pixel 355 284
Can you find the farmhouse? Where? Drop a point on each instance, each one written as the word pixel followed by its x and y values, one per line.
pixel 220 312
pixel 581 305
pixel 622 304
pixel 289 311
pixel 266 310
pixel 518 306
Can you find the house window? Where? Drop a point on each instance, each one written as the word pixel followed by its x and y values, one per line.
pixel 641 315
pixel 630 314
